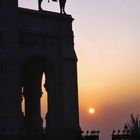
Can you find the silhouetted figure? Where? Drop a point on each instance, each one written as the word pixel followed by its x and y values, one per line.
pixel 62 6
pixel 39 5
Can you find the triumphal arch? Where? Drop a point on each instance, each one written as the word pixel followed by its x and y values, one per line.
pixel 33 43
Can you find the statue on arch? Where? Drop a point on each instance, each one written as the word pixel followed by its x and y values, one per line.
pixel 61 4
pixel 39 5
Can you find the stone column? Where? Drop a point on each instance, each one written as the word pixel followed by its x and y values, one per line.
pixel 70 96
pixel 10 88
pixel 55 115
pixel 33 120
pixel 51 114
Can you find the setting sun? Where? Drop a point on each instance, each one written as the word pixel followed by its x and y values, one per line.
pixel 91 110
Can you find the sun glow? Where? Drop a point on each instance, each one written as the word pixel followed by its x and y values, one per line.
pixel 91 110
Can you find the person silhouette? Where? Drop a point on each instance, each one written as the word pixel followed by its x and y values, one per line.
pixel 62 6
pixel 39 5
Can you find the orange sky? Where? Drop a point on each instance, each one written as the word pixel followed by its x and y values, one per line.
pixel 107 43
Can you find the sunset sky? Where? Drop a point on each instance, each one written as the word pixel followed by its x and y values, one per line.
pixel 107 43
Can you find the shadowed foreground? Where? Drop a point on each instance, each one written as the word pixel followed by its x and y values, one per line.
pixel 52 136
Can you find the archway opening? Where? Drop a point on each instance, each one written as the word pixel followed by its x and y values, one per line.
pixel 44 101
pixel 34 104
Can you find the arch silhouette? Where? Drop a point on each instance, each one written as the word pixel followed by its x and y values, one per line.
pixel 36 43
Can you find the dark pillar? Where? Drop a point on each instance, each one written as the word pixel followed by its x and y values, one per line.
pixel 33 120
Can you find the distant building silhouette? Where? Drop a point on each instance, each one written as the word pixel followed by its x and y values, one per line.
pixel 125 134
pixel 33 43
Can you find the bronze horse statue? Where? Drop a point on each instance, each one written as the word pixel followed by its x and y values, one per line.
pixel 61 4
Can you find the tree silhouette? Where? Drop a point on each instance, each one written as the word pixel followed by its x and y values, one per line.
pixel 134 124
